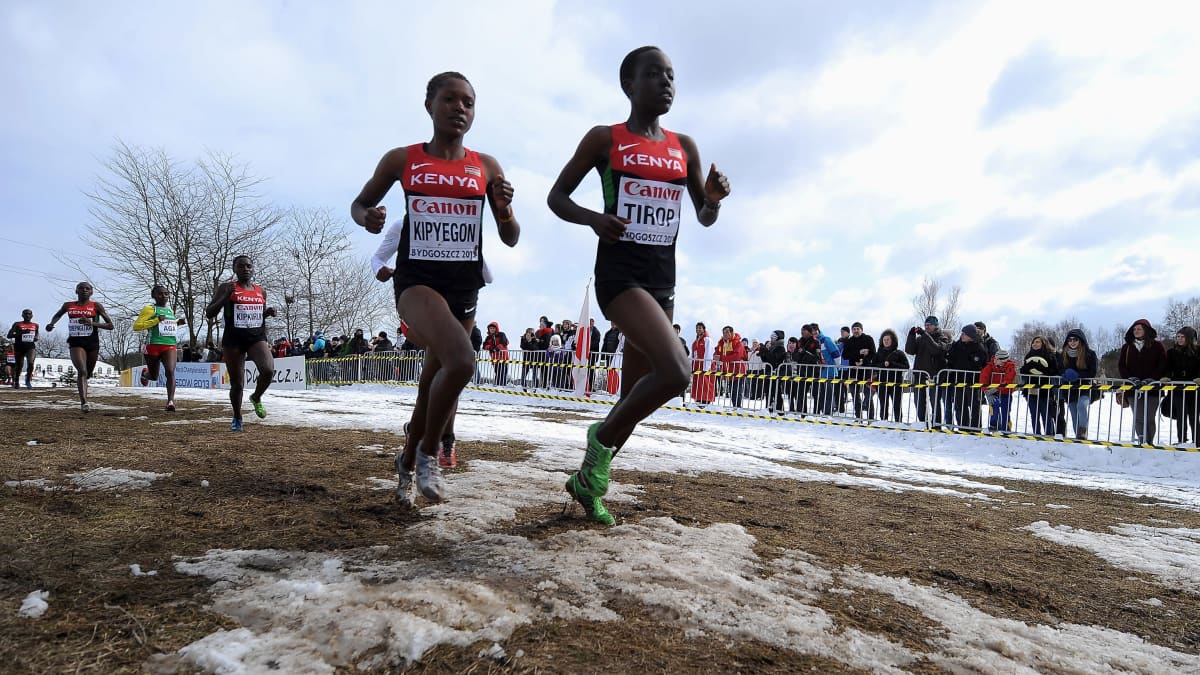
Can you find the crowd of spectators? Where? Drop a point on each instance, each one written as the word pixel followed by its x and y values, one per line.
pixel 866 376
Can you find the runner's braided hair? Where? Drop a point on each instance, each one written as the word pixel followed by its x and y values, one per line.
pixel 436 82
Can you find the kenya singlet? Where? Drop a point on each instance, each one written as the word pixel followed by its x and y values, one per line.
pixel 244 314
pixel 80 317
pixel 26 336
pixel 441 243
pixel 644 181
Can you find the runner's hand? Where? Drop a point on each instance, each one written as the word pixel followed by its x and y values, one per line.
pixel 716 186
pixel 384 273
pixel 501 192
pixel 375 219
pixel 609 227
pixel 270 311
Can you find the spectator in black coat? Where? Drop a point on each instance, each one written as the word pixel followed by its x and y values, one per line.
pixel 612 337
pixel 858 351
pixel 1183 365
pixel 928 347
pixel 1040 368
pixel 966 357
pixel 892 362
pixel 774 354
pixel 989 343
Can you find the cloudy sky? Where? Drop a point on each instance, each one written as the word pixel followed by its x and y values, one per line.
pixel 1044 157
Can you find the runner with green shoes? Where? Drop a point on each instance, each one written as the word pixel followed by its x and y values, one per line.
pixel 644 171
pixel 244 304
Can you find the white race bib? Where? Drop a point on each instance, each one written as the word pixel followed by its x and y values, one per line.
pixel 444 228
pixel 28 337
pixel 166 327
pixel 80 326
pixel 247 316
pixel 652 208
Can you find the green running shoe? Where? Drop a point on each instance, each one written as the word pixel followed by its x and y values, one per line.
pixel 592 507
pixel 258 407
pixel 596 465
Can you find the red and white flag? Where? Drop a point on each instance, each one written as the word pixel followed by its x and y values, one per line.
pixel 583 348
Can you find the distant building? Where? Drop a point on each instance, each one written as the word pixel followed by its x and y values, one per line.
pixel 46 370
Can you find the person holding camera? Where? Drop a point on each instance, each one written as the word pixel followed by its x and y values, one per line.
pixel 928 347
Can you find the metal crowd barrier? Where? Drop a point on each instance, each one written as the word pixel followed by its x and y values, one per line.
pixel 1108 411
pixel 1111 411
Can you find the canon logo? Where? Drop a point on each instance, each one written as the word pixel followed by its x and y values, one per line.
pixel 444 208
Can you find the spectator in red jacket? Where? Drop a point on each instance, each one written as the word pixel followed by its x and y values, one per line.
pixel 731 352
pixel 496 345
pixel 997 379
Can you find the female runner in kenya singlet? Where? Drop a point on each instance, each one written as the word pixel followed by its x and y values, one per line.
pixel 645 171
pixel 439 268
pixel 84 317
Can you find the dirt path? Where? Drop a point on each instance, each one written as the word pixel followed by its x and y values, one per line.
pixel 306 489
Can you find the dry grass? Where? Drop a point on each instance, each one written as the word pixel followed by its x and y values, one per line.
pixel 303 489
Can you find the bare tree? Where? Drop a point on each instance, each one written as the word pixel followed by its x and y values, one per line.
pixel 119 346
pixel 159 221
pixel 1180 314
pixel 926 304
pixel 1109 340
pixel 361 301
pixel 310 252
pixel 1025 334
pixel 53 345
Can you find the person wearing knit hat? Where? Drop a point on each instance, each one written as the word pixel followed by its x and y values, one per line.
pixel 997 379
pixel 1183 365
pixel 1078 364
pixel 928 346
pixel 967 358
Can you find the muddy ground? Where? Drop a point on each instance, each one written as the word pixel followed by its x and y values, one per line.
pixel 299 488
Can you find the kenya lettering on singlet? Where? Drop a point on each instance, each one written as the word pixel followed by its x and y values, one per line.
pixel 443 221
pixel 81 318
pixel 248 305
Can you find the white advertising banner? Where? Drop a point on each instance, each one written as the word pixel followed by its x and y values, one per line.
pixel 187 376
pixel 289 374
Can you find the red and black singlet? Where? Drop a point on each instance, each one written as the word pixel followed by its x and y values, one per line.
pixel 81 316
pixel 244 311
pixel 644 181
pixel 26 335
pixel 441 243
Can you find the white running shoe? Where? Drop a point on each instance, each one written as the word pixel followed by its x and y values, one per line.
pixel 429 477
pixel 85 407
pixel 404 491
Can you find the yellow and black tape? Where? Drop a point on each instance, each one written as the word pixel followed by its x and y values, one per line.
pixel 856 424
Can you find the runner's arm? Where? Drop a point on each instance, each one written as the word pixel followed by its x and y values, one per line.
pixel 220 297
pixel 61 310
pixel 387 249
pixel 146 320
pixel 103 313
pixel 590 154
pixel 500 195
pixel 708 192
pixel 365 209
